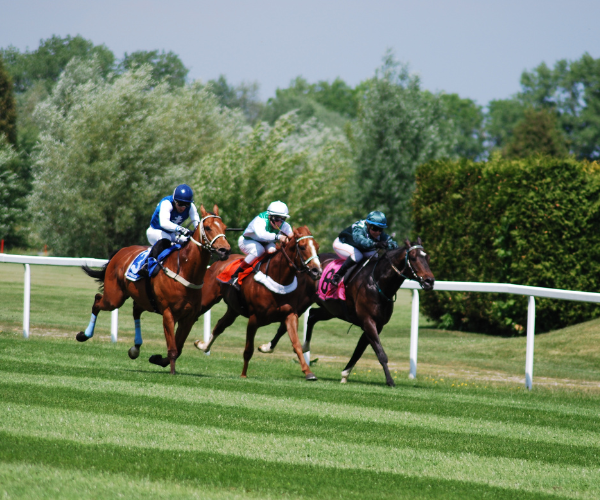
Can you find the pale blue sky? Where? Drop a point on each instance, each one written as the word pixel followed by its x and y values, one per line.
pixel 477 49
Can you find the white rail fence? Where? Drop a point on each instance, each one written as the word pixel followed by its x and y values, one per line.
pixel 449 286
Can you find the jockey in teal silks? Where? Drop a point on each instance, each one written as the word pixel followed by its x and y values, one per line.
pixel 361 239
pixel 261 234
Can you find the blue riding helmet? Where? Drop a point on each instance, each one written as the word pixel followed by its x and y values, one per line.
pixel 377 218
pixel 183 193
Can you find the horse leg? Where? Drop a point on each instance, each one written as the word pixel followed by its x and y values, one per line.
pixel 112 298
pixel 315 315
pixel 168 327
pixel 291 323
pixel 270 346
pixel 363 342
pixel 227 320
pixel 134 351
pixel 184 327
pixel 373 337
pixel 249 349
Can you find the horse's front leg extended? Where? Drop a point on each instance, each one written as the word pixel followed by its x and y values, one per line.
pixel 168 327
pixel 373 337
pixel 291 322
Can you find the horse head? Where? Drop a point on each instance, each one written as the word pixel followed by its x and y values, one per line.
pixel 416 264
pixel 302 252
pixel 211 233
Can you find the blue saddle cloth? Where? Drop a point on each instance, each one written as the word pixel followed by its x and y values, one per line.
pixel 138 263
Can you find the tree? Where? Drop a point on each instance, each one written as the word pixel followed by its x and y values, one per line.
pixel 110 150
pixel 243 97
pixel 11 194
pixel 332 104
pixel 398 127
pixel 48 61
pixel 502 117
pixel 8 113
pixel 468 120
pixel 536 133
pixel 305 165
pixel 165 65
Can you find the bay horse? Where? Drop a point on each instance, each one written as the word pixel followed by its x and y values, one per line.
pixel 259 304
pixel 177 296
pixel 369 300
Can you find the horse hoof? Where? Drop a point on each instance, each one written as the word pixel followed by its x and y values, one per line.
pixel 344 381
pixel 346 373
pixel 134 352
pixel 311 376
pixel 81 337
pixel 391 383
pixel 265 348
pixel 201 345
pixel 157 359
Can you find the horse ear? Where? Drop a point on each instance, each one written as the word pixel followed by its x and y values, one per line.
pixel 419 242
pixel 202 211
pixel 216 209
pixel 407 243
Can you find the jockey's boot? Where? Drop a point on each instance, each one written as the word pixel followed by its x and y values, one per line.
pixel 234 279
pixel 346 266
pixel 157 249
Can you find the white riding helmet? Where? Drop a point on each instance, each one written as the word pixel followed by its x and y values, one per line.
pixel 278 208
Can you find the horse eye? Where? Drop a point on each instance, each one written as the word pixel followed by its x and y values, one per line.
pixel 301 247
pixel 207 228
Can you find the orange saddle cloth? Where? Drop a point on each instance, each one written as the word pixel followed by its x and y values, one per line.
pixel 226 274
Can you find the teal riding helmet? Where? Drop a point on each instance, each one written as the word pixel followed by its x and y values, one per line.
pixel 377 218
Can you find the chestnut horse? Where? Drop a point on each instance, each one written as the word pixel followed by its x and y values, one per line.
pixel 259 304
pixel 176 295
pixel 369 300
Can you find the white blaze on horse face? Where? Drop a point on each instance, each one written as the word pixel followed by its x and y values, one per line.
pixel 313 250
pixel 423 253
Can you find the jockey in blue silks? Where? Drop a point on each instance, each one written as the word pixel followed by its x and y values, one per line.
pixel 165 225
pixel 361 239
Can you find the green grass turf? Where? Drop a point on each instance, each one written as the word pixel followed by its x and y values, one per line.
pixel 85 421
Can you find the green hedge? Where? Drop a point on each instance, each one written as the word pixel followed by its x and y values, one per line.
pixel 531 222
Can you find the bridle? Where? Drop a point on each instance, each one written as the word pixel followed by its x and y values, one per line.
pixel 205 242
pixel 304 267
pixel 407 263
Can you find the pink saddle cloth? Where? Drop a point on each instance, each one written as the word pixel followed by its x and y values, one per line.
pixel 326 290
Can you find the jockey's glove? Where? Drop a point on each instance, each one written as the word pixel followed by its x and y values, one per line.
pixel 184 231
pixel 381 244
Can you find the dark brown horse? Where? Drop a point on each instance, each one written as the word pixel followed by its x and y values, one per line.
pixel 259 304
pixel 175 293
pixel 370 292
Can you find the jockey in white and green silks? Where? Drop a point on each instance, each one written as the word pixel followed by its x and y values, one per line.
pixel 262 233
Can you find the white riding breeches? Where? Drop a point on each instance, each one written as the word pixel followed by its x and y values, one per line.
pixel 158 234
pixel 343 250
pixel 254 249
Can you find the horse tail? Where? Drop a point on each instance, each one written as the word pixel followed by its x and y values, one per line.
pixel 100 274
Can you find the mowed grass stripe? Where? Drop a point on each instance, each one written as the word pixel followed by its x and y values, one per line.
pixel 196 400
pixel 232 475
pixel 67 428
pixel 519 409
pixel 46 482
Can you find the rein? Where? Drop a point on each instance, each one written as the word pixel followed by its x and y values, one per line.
pixel 205 244
pixel 400 273
pixel 305 268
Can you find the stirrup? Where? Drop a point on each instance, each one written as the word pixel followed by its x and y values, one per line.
pixel 336 279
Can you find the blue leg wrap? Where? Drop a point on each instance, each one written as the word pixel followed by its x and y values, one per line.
pixel 138 332
pixel 89 331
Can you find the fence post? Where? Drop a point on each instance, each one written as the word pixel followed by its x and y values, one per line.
pixel 530 341
pixel 306 354
pixel 114 325
pixel 207 331
pixel 26 300
pixel 414 334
